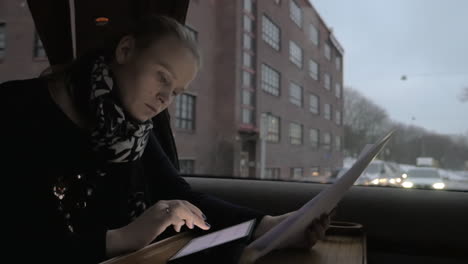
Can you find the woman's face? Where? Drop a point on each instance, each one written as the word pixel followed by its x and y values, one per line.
pixel 149 79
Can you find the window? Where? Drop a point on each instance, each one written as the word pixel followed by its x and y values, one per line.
pixel 270 80
pixel 247 42
pixel 314 138
pixel 272 173
pixel 314 105
pixel 338 143
pixel 39 51
pixel 192 32
pixel 295 13
pixel 248 24
pixel 295 54
pixel 273 128
pixel 337 90
pixel 247 60
pixel 327 51
pixel 2 39
pixel 327 111
pixel 295 133
pixel 338 63
pixel 295 94
pixel 313 70
pixel 326 81
pixel 247 79
pixel 297 173
pixel 313 34
pixel 277 2
pixel 247 97
pixel 338 117
pixel 270 33
pixel 185 111
pixel 187 166
pixel 248 5
pixel 326 143
pixel 247 116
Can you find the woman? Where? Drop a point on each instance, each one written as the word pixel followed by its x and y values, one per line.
pixel 95 180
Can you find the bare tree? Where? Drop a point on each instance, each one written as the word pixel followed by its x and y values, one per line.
pixel 363 120
pixel 464 95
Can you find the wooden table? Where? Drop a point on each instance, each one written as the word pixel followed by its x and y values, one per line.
pixel 334 249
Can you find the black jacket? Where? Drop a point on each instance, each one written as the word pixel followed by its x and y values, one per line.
pixel 44 149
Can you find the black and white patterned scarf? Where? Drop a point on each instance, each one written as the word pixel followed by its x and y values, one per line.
pixel 117 137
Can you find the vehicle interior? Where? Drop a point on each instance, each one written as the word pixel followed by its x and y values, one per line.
pixel 401 225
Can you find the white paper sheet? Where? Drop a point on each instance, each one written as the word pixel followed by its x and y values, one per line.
pixel 323 203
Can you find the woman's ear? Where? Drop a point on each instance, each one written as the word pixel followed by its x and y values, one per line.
pixel 125 49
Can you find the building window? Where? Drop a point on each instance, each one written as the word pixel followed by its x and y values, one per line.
pixel 295 133
pixel 247 97
pixel 297 173
pixel 338 117
pixel 248 5
pixel 327 51
pixel 315 171
pixel 326 81
pixel 247 116
pixel 338 143
pixel 278 2
pixel 185 111
pixel 247 42
pixel 273 128
pixel 338 63
pixel 326 172
pixel 313 70
pixel 248 24
pixel 326 143
pixel 327 111
pixel 270 80
pixel 272 173
pixel 337 90
pixel 270 33
pixel 2 39
pixel 295 94
pixel 187 166
pixel 247 60
pixel 314 34
pixel 295 13
pixel 193 33
pixel 247 79
pixel 314 105
pixel 39 51
pixel 314 138
pixel 295 54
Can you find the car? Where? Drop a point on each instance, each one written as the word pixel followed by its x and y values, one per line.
pixel 427 178
pixel 382 173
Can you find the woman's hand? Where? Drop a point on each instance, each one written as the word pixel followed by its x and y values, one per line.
pixel 315 231
pixel 152 223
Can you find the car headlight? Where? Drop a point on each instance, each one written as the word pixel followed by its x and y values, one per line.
pixel 398 180
pixel 383 180
pixel 438 185
pixel 375 181
pixel 404 175
pixel 407 184
pixel 392 181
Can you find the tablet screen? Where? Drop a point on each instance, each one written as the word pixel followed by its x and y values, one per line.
pixel 216 238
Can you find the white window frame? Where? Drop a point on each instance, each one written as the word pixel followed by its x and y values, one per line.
pixel 295 54
pixel 296 134
pixel 271 33
pixel 296 94
pixel 269 78
pixel 313 69
pixel 315 109
pixel 295 13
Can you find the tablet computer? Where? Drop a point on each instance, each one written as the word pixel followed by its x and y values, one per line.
pixel 223 246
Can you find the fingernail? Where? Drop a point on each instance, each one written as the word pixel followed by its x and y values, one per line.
pixel 208 225
pixel 204 217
